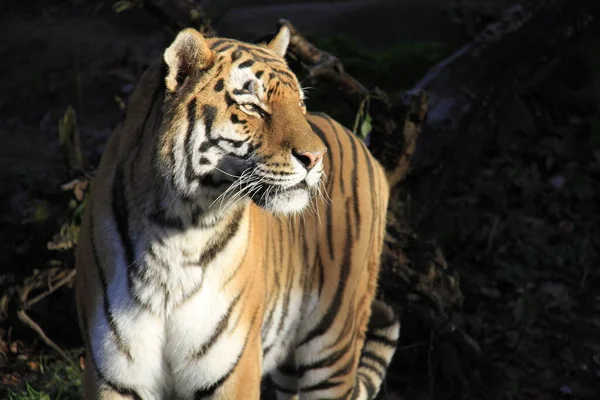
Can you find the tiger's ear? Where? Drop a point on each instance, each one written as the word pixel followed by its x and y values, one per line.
pixel 188 53
pixel 280 42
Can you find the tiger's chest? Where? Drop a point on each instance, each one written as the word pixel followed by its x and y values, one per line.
pixel 165 331
pixel 170 272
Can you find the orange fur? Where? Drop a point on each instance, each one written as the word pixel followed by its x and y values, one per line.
pixel 288 293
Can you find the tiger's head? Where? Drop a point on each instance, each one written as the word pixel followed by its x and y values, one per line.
pixel 235 124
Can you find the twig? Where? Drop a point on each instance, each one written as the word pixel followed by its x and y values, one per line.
pixel 33 325
pixel 67 279
pixel 320 64
pixel 36 282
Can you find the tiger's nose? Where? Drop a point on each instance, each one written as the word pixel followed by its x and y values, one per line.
pixel 309 159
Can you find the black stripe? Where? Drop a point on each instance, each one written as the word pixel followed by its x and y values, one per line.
pixel 159 217
pixel 225 48
pixel 209 113
pixel 190 176
pixel 106 302
pixel 288 370
pixel 329 212
pixel 261 55
pixel 236 120
pixel 235 55
pixel 211 389
pixel 364 365
pixel 258 74
pixel 217 245
pixel 119 209
pixel 234 273
pixel 340 149
pixel 321 275
pixel 369 386
pixel 323 385
pixel 354 161
pixel 345 395
pixel 281 389
pixel 274 292
pixel 325 362
pixel 266 60
pixel 369 355
pixel 229 100
pixel 240 92
pixel 247 85
pixel 344 370
pixel 256 50
pixel 284 73
pixel 117 388
pixel 219 85
pixel 218 42
pixel 221 326
pixel 374 192
pixel 246 64
pixel 374 337
pixel 141 134
pixel 288 288
pixel 319 132
pixel 267 324
pixel 121 216
pixel 327 320
pixel 233 143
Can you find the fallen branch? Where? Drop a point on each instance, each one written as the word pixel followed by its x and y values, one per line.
pixel 469 88
pixel 53 279
pixel 69 278
pixel 392 147
pixel 31 323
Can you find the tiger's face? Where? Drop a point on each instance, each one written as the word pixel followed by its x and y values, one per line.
pixel 235 124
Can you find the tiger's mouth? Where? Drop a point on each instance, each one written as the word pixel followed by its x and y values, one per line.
pixel 283 199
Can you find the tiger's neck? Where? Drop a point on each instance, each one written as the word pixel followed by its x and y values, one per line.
pixel 181 245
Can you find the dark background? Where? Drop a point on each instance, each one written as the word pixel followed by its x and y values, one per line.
pixel 519 225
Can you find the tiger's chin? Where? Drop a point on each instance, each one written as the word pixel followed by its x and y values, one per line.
pixel 284 201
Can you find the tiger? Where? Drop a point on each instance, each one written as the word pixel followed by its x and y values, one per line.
pixel 231 238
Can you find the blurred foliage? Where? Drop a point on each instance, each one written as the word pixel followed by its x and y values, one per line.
pixel 397 68
pixel 522 227
pixel 45 380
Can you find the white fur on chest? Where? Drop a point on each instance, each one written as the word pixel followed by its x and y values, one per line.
pixel 167 275
pixel 182 308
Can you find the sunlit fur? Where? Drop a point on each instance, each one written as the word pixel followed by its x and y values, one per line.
pixel 212 253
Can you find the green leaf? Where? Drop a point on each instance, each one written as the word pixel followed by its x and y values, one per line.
pixel 366 126
pixel 41 212
pixel 124 5
pixel 68 136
